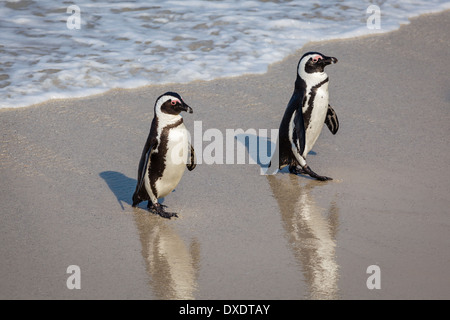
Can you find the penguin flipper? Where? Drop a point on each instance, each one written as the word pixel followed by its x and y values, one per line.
pixel 299 136
pixel 331 120
pixel 192 159
pixel 140 194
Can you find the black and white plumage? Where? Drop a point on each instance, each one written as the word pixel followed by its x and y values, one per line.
pixel 305 114
pixel 166 154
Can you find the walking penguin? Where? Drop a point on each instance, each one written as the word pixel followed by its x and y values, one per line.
pixel 305 114
pixel 166 154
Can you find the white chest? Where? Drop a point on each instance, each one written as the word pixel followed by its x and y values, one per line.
pixel 177 145
pixel 315 109
pixel 175 160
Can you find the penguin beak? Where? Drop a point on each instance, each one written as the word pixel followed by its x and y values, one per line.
pixel 328 60
pixel 185 107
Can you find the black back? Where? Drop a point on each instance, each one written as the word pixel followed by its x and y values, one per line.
pixel 140 194
pixel 286 157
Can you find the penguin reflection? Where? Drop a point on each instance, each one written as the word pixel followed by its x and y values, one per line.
pixel 311 232
pixel 172 265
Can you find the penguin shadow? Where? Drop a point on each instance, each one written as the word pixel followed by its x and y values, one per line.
pixel 311 232
pixel 261 150
pixel 171 264
pixel 122 187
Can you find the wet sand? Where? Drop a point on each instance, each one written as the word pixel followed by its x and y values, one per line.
pixel 68 170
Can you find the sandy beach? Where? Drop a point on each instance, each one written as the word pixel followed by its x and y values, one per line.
pixel 68 170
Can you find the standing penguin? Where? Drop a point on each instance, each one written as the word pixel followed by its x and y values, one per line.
pixel 166 154
pixel 305 114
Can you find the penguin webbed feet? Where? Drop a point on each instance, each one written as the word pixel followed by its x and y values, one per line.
pixel 307 170
pixel 159 210
pixel 296 169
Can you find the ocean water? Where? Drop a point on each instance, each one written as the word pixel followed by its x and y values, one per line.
pixel 51 50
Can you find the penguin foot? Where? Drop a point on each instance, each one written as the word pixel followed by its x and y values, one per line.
pixel 312 174
pixel 296 169
pixel 159 209
pixel 307 170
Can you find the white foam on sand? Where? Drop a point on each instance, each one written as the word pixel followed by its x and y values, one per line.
pixel 130 44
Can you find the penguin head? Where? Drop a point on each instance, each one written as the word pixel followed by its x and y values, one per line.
pixel 171 103
pixel 313 64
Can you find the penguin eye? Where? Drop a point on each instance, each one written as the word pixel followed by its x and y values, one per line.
pixel 174 102
pixel 316 58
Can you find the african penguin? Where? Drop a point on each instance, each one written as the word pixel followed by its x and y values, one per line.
pixel 166 154
pixel 305 114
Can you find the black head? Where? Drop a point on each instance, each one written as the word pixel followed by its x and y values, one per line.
pixel 314 62
pixel 171 103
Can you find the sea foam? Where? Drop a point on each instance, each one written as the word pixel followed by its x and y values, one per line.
pixel 126 44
